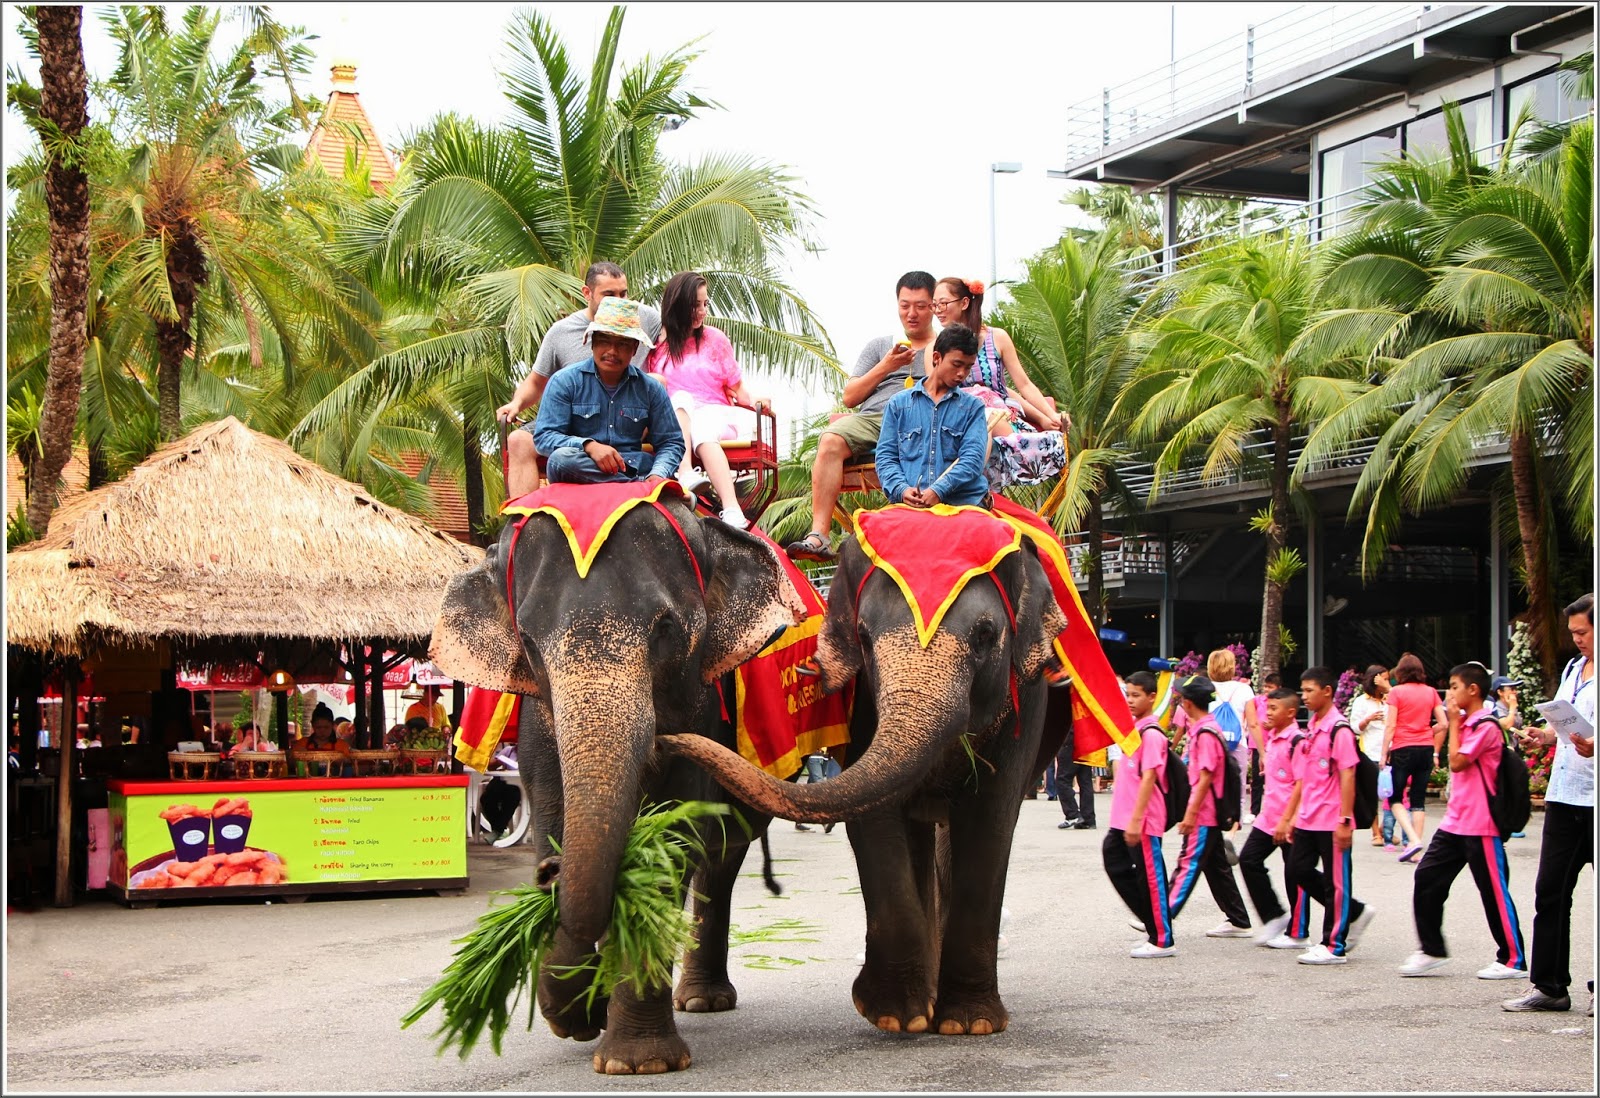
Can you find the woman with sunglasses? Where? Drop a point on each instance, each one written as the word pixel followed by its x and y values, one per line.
pixel 695 362
pixel 1029 441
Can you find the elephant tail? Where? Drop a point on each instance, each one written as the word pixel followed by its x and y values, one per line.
pixel 766 865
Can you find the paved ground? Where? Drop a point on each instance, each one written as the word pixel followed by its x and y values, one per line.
pixel 307 997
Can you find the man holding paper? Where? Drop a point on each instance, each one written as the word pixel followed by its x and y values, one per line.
pixel 1568 824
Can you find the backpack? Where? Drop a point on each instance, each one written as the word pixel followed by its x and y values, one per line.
pixel 1232 727
pixel 1510 806
pixel 1365 809
pixel 1228 797
pixel 1177 790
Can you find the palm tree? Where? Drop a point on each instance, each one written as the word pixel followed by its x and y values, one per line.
pixel 1229 365
pixel 59 112
pixel 515 215
pixel 1475 285
pixel 195 214
pixel 1071 319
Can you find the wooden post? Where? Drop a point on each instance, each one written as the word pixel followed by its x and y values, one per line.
pixel 358 682
pixel 64 779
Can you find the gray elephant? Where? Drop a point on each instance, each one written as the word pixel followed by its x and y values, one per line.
pixel 946 733
pixel 669 605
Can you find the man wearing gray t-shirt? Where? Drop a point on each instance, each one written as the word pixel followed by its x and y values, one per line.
pixel 885 367
pixel 563 345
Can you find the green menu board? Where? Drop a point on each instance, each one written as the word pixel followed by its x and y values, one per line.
pixel 296 834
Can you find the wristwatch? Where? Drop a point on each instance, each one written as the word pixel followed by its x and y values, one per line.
pixel 1347 821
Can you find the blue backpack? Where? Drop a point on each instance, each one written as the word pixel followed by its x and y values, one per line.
pixel 1228 721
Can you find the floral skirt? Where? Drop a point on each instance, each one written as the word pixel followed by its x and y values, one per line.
pixel 1025 457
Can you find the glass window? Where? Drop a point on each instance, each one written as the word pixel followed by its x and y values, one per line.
pixel 1426 138
pixel 1549 97
pixel 1348 168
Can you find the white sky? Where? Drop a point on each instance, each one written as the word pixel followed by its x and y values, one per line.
pixel 889 115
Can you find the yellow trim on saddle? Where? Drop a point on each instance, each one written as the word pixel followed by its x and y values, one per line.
pixel 927 627
pixel 582 559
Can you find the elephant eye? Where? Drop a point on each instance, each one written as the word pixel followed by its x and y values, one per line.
pixel 985 634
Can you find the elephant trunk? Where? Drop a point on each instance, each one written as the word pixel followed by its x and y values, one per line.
pixel 605 735
pixel 895 762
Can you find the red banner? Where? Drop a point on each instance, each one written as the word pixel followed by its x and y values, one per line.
pixel 1100 715
pixel 487 718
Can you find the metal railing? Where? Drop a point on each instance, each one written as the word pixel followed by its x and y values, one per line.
pixel 1226 71
pixel 1124 555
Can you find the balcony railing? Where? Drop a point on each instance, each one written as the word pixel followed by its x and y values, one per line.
pixel 1226 71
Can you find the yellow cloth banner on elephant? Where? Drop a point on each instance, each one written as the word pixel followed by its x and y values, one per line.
pixel 781 716
pixel 588 512
pixel 931 553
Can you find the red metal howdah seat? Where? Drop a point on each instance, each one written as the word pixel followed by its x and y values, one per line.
pixel 753 461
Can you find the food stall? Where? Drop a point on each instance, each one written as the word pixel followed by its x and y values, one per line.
pixel 286 837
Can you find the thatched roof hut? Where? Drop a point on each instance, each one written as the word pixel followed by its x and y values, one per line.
pixel 227 535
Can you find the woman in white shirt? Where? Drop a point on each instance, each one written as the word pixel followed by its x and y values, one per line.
pixel 1366 717
pixel 1220 667
pixel 1568 842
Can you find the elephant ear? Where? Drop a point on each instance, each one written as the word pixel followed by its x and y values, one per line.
pixel 1039 618
pixel 839 644
pixel 474 639
pixel 748 598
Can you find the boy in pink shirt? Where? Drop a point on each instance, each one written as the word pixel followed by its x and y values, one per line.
pixel 1203 851
pixel 1468 837
pixel 1281 929
pixel 1132 847
pixel 1321 812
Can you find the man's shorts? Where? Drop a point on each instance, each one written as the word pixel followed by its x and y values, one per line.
pixel 860 431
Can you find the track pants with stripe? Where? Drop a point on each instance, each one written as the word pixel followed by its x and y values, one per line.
pixel 1486 856
pixel 1139 874
pixel 1202 854
pixel 1258 882
pixel 1324 873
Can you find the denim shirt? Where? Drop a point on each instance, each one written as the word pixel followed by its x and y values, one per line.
pixel 1572 775
pixel 927 445
pixel 577 409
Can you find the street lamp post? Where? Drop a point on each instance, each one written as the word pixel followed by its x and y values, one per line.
pixel 1006 167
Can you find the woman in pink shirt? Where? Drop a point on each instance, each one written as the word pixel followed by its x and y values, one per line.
pixel 695 362
pixel 1414 726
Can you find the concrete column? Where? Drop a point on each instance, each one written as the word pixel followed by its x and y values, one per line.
pixel 1169 229
pixel 1165 623
pixel 1499 593
pixel 1316 586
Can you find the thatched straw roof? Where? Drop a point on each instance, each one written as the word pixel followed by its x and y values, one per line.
pixel 227 533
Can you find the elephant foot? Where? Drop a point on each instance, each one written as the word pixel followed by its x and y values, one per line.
pixel 978 1017
pixel 893 1010
pixel 704 996
pixel 641 1055
pixel 568 1015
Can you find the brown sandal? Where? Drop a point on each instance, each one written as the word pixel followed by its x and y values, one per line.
pixel 811 547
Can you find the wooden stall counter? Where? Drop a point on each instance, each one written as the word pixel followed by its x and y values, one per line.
pixel 286 837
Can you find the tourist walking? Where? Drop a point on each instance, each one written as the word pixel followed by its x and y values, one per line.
pixel 1414 728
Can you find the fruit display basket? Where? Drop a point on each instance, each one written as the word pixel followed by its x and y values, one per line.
pixel 370 764
pixel 248 765
pixel 317 764
pixel 193 766
pixel 421 760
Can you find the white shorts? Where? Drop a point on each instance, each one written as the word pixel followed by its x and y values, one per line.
pixel 715 422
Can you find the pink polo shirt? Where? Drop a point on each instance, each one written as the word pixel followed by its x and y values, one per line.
pixel 1470 789
pixel 709 372
pixel 1278 770
pixel 1206 752
pixel 1152 755
pixel 1317 766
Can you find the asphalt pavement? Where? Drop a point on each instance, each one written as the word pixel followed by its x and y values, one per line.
pixel 307 997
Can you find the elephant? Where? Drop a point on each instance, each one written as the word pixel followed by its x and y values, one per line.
pixel 947 735
pixel 606 663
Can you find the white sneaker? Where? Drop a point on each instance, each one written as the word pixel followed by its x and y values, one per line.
pixel 1283 941
pixel 1498 971
pixel 694 481
pixel 1226 929
pixel 1137 924
pixel 1145 951
pixel 735 518
pixel 1358 926
pixel 1273 929
pixel 1320 955
pixel 1420 964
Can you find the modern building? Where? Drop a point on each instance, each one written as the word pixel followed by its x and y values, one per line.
pixel 1298 111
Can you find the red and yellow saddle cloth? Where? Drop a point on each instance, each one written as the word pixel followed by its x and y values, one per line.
pixel 1100 713
pixel 488 718
pixel 588 512
pixel 781 716
pixel 931 553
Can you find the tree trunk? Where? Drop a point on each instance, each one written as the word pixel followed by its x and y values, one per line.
pixel 64 102
pixel 186 273
pixel 472 480
pixel 1097 564
pixel 99 471
pixel 1277 538
pixel 1541 601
